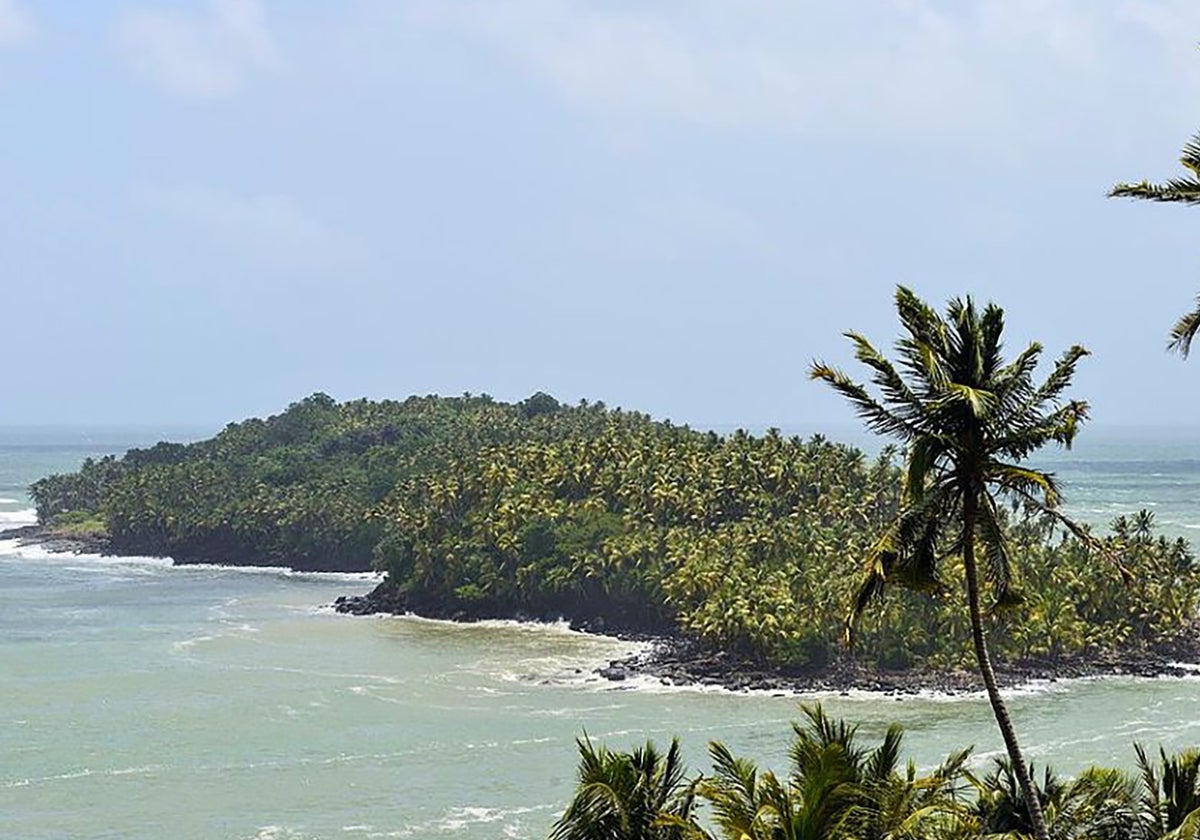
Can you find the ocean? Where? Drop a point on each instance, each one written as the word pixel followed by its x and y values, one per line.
pixel 146 701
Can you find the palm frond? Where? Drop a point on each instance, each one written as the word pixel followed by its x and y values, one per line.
pixel 889 380
pixel 1174 191
pixel 1060 378
pixel 997 568
pixel 905 555
pixel 873 414
pixel 1185 330
pixel 1013 478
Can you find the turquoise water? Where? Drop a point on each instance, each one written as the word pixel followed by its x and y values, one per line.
pixel 144 701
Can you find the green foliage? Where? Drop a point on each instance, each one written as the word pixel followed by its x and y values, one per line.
pixel 639 795
pixel 77 524
pixel 838 788
pixel 295 489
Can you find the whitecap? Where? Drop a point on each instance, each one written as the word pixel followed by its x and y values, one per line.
pixel 39 552
pixel 186 644
pixel 457 819
pixel 17 518
pixel 34 551
pixel 281 571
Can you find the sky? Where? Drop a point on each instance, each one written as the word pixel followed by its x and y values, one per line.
pixel 212 208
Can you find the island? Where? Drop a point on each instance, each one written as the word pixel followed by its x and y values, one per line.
pixel 739 553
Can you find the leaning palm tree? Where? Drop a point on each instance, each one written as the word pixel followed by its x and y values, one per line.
pixel 968 418
pixel 1185 190
pixel 640 795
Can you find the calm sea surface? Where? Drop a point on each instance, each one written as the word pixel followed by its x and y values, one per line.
pixel 142 701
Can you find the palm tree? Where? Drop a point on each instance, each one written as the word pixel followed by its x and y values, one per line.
pixel 640 795
pixel 1185 190
pixel 968 418
pixel 836 790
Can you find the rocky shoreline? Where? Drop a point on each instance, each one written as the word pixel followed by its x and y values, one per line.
pixel 57 542
pixel 679 661
pixel 683 662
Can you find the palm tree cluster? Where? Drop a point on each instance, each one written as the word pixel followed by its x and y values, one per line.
pixel 297 488
pixel 838 788
pixel 750 543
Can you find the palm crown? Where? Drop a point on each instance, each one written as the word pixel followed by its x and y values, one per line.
pixel 968 417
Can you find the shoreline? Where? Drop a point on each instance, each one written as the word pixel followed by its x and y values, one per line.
pixel 58 542
pixel 680 661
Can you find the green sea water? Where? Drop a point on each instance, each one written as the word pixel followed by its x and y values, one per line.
pixel 139 700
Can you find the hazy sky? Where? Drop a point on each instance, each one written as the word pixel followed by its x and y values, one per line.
pixel 210 209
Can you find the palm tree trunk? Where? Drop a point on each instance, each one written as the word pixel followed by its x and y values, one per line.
pixel 1034 804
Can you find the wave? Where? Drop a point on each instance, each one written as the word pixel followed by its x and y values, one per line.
pixel 560 626
pixel 279 571
pixel 80 561
pixel 16 518
pixel 83 773
pixel 34 551
pixel 458 819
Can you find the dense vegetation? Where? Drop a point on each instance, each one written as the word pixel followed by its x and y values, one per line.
pixel 476 507
pixel 837 788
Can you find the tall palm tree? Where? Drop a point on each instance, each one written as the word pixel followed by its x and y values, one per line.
pixel 968 418
pixel 1185 190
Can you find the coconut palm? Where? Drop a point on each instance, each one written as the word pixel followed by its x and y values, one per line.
pixel 836 790
pixel 968 418
pixel 640 795
pixel 1185 190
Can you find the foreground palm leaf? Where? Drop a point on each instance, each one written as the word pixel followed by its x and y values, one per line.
pixel 1185 190
pixel 640 795
pixel 968 418
pixel 837 790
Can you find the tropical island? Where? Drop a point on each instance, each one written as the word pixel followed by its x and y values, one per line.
pixel 740 551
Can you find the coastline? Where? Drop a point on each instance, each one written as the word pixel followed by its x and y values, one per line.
pixel 677 660
pixel 57 542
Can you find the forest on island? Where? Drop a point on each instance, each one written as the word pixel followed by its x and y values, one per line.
pixel 479 508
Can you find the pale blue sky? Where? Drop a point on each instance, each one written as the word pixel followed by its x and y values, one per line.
pixel 210 209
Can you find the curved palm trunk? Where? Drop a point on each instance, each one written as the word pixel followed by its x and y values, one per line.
pixel 1036 817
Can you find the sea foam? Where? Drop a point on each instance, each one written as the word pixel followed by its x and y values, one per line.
pixel 17 518
pixel 38 552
